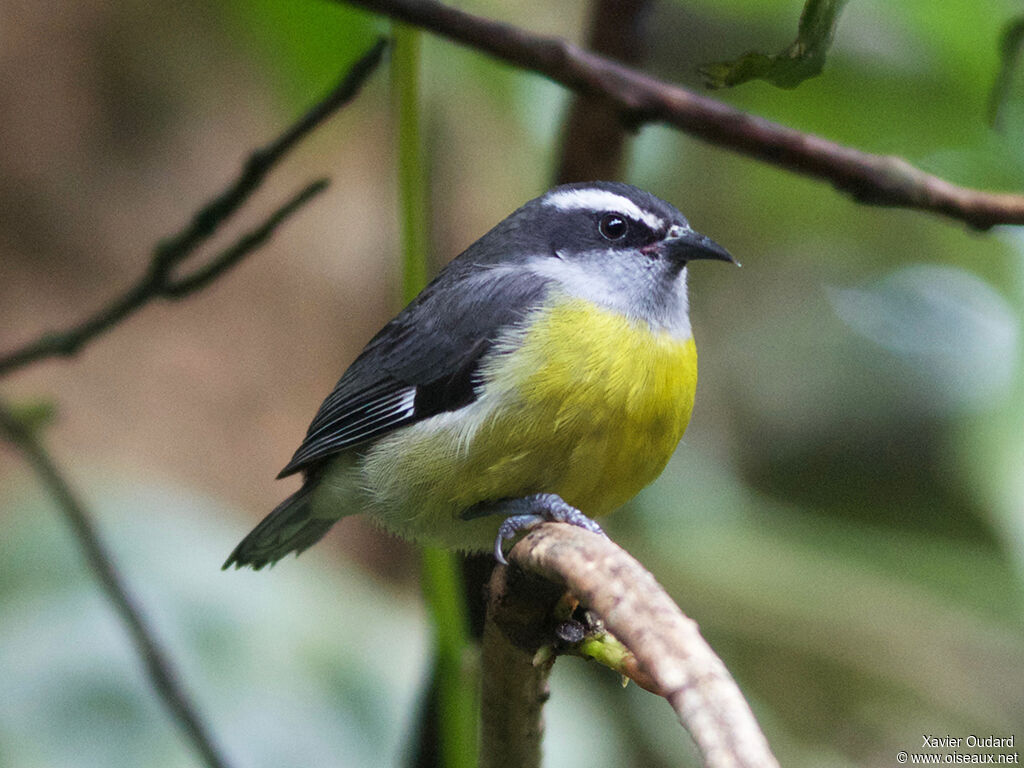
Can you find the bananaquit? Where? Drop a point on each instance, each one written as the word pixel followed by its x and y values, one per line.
pixel 547 373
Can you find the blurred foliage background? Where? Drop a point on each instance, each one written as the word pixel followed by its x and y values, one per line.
pixel 845 517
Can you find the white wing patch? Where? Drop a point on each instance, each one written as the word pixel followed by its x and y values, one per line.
pixel 601 200
pixel 353 425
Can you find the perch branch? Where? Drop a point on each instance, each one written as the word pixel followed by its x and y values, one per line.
pixel 159 280
pixel 157 664
pixel 671 658
pixel 873 179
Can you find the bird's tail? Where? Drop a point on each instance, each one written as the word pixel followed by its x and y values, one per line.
pixel 291 527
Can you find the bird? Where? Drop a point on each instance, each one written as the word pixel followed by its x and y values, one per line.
pixel 547 373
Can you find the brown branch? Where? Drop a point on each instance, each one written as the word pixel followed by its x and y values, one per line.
pixel 594 135
pixel 670 657
pixel 513 688
pixel 873 179
pixel 159 280
pixel 158 666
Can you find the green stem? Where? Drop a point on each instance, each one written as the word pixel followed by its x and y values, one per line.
pixel 412 186
pixel 456 688
pixel 441 582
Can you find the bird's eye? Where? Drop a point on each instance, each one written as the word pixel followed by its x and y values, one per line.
pixel 612 226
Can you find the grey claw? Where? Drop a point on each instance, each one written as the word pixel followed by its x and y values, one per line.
pixel 528 511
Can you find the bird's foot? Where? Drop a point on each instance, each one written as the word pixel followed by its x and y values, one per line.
pixel 526 512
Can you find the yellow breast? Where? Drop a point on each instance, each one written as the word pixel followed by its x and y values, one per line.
pixel 592 405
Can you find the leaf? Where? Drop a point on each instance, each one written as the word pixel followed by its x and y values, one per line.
pixel 304 43
pixel 803 59
pixel 1010 48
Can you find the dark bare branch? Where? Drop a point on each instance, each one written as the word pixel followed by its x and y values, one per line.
pixel 872 179
pixel 261 161
pixel 668 655
pixel 158 667
pixel 159 280
pixel 223 261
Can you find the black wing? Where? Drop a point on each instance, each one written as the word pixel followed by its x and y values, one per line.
pixel 423 361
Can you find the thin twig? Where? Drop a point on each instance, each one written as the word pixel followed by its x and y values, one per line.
pixel 873 179
pixel 159 280
pixel 249 242
pixel 673 660
pixel 158 666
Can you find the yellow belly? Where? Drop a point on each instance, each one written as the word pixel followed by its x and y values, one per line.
pixel 588 404
pixel 594 406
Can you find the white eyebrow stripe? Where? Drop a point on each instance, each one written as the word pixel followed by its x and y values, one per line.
pixel 601 200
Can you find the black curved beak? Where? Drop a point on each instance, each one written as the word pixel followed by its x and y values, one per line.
pixel 684 244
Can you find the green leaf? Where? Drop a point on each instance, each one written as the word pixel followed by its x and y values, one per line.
pixel 803 59
pixel 304 43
